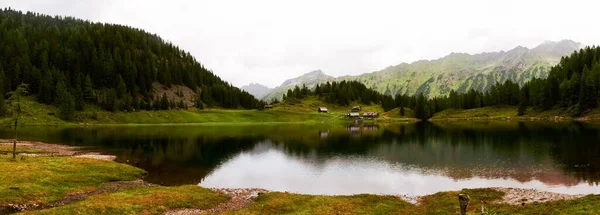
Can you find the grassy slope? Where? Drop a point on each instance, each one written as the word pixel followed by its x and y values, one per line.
pixel 43 180
pixel 303 112
pixel 504 112
pixel 39 180
pixel 150 200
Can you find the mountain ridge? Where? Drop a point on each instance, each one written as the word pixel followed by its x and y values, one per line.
pixel 256 89
pixel 461 71
pixel 310 79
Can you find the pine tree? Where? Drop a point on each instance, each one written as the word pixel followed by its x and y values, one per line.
pixel 421 108
pixel 164 102
pixel 67 106
pixel 78 95
pixel 121 87
pixel 65 101
pixel 2 94
pixel 88 89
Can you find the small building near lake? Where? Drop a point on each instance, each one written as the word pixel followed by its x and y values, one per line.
pixel 267 106
pixel 353 115
pixel 370 115
pixel 356 109
pixel 323 110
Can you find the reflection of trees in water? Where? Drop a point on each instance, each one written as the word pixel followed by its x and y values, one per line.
pixel 553 153
pixel 521 151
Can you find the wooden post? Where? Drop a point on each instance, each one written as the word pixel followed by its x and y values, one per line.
pixel 482 207
pixel 463 199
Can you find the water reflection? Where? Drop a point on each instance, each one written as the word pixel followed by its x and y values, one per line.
pixel 411 158
pixel 268 167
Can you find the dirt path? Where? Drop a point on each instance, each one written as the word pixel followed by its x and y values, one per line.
pixel 240 198
pixel 47 149
pixel 75 197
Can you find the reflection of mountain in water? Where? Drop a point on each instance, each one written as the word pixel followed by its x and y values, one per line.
pixel 555 154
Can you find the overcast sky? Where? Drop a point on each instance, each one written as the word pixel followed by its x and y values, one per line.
pixel 270 41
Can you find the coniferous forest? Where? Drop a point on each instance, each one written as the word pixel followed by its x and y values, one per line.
pixel 69 62
pixel 343 93
pixel 572 85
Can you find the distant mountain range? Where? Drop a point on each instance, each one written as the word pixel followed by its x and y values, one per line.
pixel 457 71
pixel 310 79
pixel 257 90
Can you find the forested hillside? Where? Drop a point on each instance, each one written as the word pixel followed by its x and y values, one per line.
pixel 462 72
pixel 68 60
pixel 573 86
pixel 309 80
pixel 342 93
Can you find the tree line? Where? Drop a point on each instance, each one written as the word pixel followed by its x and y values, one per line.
pixel 70 62
pixel 573 86
pixel 342 93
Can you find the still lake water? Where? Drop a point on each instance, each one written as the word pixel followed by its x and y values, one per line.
pixel 412 158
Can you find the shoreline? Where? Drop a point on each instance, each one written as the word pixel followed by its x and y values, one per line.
pixel 244 196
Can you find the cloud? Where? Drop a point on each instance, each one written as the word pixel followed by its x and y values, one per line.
pixel 268 41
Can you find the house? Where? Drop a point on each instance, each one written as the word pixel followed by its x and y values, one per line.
pixel 323 110
pixel 370 115
pixel 353 115
pixel 356 109
pixel 268 107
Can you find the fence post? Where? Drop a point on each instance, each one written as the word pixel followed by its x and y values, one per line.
pixel 463 199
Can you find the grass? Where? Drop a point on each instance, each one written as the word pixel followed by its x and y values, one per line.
pixel 506 112
pixel 42 180
pixel 287 203
pixel 9 149
pixel 300 111
pixel 439 203
pixel 149 200
pixel 478 113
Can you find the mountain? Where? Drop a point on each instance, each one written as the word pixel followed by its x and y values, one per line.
pixel 310 79
pixel 257 90
pixel 462 72
pixel 457 71
pixel 113 66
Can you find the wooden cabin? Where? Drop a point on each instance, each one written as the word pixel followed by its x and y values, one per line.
pixel 370 115
pixel 356 109
pixel 268 107
pixel 323 110
pixel 353 115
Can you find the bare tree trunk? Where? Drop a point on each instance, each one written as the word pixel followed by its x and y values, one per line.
pixel 463 199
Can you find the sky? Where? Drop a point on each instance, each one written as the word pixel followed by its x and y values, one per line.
pixel 269 41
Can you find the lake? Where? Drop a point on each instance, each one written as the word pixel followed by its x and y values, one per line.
pixel 411 158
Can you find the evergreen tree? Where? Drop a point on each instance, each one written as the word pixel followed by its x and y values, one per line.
pixel 421 111
pixel 2 94
pixel 65 102
pixel 121 87
pixel 88 89
pixel 164 102
pixel 39 50
pixel 78 95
